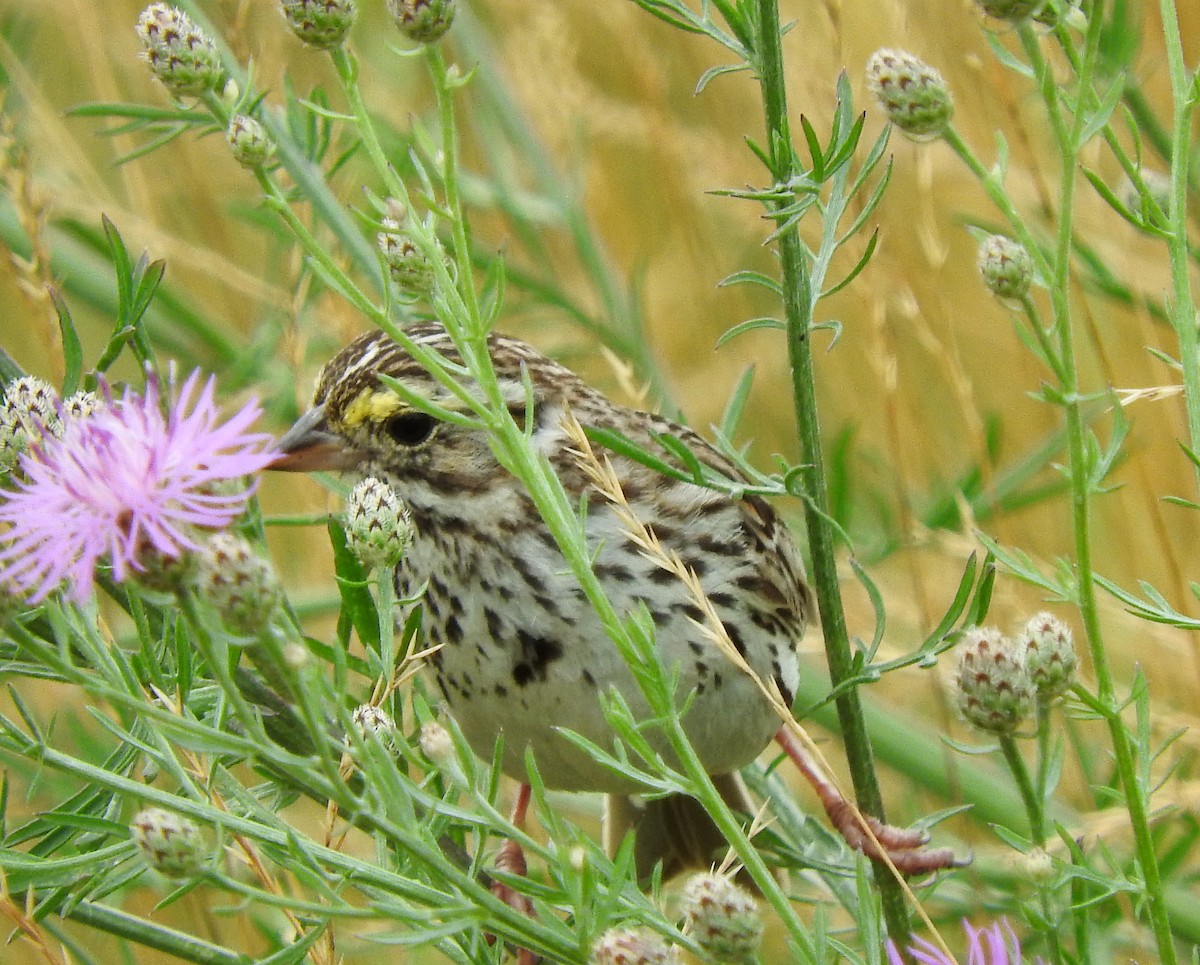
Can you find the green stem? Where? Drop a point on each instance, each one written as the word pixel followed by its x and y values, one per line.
pixel 1081 483
pixel 460 229
pixel 150 934
pixel 1020 773
pixel 798 305
pixel 1183 306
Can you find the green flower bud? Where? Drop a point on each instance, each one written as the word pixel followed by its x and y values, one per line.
pixel 171 844
pixel 377 524
pixel 993 686
pixel 722 916
pixel 912 94
pixel 436 743
pixel 319 23
pixel 1005 266
pixel 1049 655
pixel 1010 11
pixel 238 583
pixel 29 412
pixel 423 20
pixel 249 142
pixel 1155 204
pixel 406 263
pixel 632 946
pixel 181 55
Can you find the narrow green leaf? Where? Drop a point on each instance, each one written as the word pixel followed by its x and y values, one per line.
pixel 750 325
pixel 732 417
pixel 858 266
pixel 71 346
pixel 815 150
pixel 717 71
pixel 357 604
pixel 747 277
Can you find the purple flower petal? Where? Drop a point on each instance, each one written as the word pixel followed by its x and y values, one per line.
pixel 122 480
pixel 996 944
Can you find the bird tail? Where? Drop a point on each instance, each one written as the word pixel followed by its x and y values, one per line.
pixel 674 830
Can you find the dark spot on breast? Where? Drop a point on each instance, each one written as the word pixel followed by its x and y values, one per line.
pixel 537 653
pixel 689 610
pixel 453 630
pixel 588 678
pixel 735 637
pixel 661 577
pixel 613 571
pixel 494 624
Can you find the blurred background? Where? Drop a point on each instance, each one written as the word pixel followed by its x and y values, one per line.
pixel 592 164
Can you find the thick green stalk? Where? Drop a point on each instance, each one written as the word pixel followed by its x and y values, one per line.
pixel 798 305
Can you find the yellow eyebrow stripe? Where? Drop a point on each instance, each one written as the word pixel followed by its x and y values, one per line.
pixel 372 404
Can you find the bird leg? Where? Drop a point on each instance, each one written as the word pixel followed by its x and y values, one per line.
pixel 903 847
pixel 510 859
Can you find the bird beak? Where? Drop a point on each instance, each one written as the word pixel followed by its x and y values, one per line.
pixel 309 446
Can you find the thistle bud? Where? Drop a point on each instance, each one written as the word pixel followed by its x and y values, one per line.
pixel 722 916
pixel 171 844
pixel 29 412
pixel 913 95
pixel 319 23
pixel 236 581
pixel 993 686
pixel 81 405
pixel 1010 11
pixel 1005 266
pixel 406 263
pixel 181 55
pixel 249 142
pixel 377 524
pixel 424 21
pixel 1049 655
pixel 373 723
pixel 632 946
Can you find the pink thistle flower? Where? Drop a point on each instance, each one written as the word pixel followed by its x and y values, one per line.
pixel 123 480
pixel 993 945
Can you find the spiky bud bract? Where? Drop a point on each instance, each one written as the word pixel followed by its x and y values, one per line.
pixel 1005 266
pixel 377 524
pixel 993 688
pixel 722 917
pixel 323 24
pixel 1049 655
pixel 238 583
pixel 182 56
pixel 913 95
pixel 424 21
pixel 171 844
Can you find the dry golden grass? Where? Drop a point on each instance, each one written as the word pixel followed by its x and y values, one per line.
pixel 926 356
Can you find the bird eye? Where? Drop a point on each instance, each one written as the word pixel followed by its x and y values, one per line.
pixel 410 428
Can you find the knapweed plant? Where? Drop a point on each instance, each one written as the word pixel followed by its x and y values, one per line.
pixel 195 715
